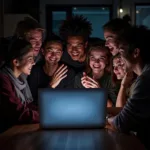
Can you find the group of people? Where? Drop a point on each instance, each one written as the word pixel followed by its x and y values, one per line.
pixel 120 64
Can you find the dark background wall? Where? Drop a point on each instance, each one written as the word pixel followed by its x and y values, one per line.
pixel 30 7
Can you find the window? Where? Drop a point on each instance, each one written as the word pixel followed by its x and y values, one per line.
pixel 143 14
pixel 97 15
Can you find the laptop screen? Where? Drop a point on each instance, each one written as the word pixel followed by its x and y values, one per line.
pixel 65 108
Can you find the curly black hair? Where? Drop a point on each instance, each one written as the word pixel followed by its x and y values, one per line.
pixel 75 26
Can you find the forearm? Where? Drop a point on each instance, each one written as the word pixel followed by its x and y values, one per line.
pixel 109 103
pixel 121 98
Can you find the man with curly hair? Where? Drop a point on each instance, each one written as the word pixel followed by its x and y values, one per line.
pixel 75 32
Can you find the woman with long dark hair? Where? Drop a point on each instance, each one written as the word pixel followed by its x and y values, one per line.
pixel 15 96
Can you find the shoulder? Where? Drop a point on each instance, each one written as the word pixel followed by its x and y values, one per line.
pixel 142 85
pixel 4 77
pixel 5 80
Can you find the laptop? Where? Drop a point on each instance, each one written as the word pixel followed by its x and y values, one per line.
pixel 72 108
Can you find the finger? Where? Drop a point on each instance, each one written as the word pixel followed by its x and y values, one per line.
pixel 61 78
pixel 91 84
pixel 58 80
pixel 83 78
pixel 93 81
pixel 85 85
pixel 60 68
pixel 61 73
pixel 84 74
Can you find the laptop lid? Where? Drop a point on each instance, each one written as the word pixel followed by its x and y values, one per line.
pixel 72 108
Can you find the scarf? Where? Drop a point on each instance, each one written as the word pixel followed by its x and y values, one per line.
pixel 21 86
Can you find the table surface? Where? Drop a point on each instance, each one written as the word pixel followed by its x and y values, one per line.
pixel 31 137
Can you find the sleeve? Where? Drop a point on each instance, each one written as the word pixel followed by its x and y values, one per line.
pixel 12 109
pixel 112 93
pixel 135 113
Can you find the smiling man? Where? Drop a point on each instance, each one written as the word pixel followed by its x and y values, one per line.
pixel 135 116
pixel 75 32
pixel 30 30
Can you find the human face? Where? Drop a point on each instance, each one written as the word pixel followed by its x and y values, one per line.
pixel 26 63
pixel 76 48
pixel 111 42
pixel 53 52
pixel 118 68
pixel 35 38
pixel 97 61
pixel 128 59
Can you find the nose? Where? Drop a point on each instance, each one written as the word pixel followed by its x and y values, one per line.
pixel 97 60
pixel 38 43
pixel 53 54
pixel 74 48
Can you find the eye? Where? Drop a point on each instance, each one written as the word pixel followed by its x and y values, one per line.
pixel 30 59
pixel 49 50
pixel 58 52
pixel 92 58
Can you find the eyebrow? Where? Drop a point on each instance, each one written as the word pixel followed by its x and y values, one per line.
pixel 76 43
pixel 53 48
pixel 110 36
pixel 29 57
pixel 100 56
pixel 31 38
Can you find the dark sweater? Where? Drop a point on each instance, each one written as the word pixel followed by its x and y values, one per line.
pixel 104 81
pixel 12 111
pixel 75 65
pixel 135 115
pixel 39 79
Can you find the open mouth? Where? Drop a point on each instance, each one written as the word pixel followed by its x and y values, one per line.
pixel 96 67
pixel 37 49
pixel 74 54
pixel 111 49
pixel 52 60
pixel 30 69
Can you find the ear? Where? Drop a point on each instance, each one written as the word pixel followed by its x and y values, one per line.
pixel 16 62
pixel 136 53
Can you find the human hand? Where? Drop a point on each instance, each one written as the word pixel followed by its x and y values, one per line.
pixel 59 75
pixel 126 81
pixel 88 82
